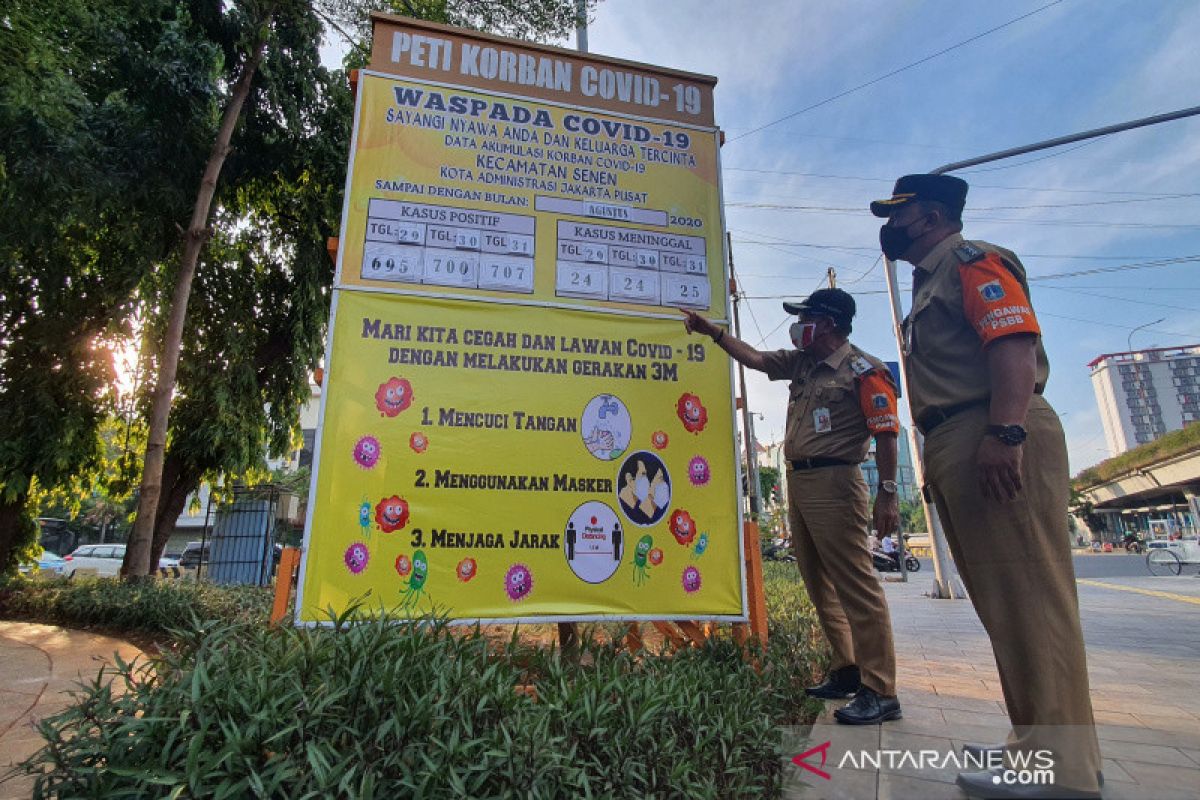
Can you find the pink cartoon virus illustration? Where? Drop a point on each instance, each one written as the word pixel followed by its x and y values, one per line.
pixel 656 556
pixel 682 526
pixel 692 412
pixel 466 569
pixel 393 396
pixel 691 579
pixel 391 513
pixel 403 565
pixel 418 442
pixel 367 451
pixel 660 440
pixel 518 582
pixel 698 471
pixel 357 557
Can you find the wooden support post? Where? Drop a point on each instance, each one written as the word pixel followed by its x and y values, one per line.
pixel 692 630
pixel 568 638
pixel 633 638
pixel 289 561
pixel 673 636
pixel 754 584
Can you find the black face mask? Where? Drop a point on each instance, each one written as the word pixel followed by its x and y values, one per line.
pixel 894 240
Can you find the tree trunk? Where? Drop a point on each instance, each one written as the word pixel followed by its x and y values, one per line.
pixel 137 555
pixel 178 484
pixel 14 531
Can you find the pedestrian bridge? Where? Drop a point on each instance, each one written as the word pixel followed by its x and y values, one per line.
pixel 1155 500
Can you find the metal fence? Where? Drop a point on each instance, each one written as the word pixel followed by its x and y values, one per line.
pixel 238 542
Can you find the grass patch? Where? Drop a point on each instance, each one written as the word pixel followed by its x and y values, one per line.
pixel 237 708
pixel 1175 443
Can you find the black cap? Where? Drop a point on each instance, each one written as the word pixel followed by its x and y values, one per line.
pixel 833 303
pixel 943 188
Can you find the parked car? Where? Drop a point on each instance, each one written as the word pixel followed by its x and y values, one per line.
pixel 49 563
pixel 194 555
pixel 104 558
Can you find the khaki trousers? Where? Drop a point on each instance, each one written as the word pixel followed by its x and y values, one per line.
pixel 828 510
pixel 1015 561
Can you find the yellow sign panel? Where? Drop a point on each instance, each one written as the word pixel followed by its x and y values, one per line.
pixel 514 424
pixel 496 461
pixel 457 192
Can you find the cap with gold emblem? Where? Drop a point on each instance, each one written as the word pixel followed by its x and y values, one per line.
pixel 943 188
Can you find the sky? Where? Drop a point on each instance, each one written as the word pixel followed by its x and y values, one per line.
pixel 1122 200
pixel 1077 65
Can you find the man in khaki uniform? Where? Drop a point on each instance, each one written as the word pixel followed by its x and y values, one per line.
pixel 996 466
pixel 839 398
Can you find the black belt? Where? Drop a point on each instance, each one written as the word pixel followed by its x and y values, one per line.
pixel 936 416
pixel 814 463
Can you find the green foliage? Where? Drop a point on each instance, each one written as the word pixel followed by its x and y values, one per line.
pixel 535 20
pixel 379 710
pixel 1175 443
pixel 797 653
pixel 149 607
pixel 238 708
pixel 768 479
pixel 101 108
pixel 912 516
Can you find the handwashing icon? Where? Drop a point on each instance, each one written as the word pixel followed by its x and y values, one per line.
pixel 610 407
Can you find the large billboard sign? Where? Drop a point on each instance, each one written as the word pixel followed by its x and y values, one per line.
pixel 514 425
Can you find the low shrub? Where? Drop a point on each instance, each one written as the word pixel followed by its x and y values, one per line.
pixel 797 653
pixel 379 710
pixel 385 709
pixel 150 607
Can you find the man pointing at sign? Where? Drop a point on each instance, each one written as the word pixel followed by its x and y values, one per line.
pixel 839 397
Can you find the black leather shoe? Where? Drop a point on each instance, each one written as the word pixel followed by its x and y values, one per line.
pixel 840 684
pixel 868 708
pixel 989 784
pixel 981 751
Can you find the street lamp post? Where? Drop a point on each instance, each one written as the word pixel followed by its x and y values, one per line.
pixel 1129 341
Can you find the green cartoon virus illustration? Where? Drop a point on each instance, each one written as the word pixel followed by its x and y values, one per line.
pixel 414 587
pixel 364 518
pixel 701 545
pixel 640 575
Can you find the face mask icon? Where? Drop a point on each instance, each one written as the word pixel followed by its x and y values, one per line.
pixel 662 495
pixel 641 488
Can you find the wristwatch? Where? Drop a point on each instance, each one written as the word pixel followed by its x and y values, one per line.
pixel 888 486
pixel 1011 435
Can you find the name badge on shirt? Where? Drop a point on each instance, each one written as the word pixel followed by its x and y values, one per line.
pixel 822 422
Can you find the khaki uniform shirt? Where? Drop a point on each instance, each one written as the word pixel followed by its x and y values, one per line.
pixel 966 295
pixel 835 404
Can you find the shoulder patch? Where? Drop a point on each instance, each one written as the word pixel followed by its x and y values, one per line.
pixel 968 253
pixel 860 365
pixel 991 291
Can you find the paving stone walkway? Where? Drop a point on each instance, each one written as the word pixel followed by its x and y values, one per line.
pixel 1143 643
pixel 38 665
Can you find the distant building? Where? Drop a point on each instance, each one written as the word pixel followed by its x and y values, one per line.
pixel 906 484
pixel 1145 393
pixel 196 516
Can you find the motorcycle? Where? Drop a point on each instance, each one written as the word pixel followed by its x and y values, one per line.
pixel 774 552
pixel 1134 545
pixel 885 563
